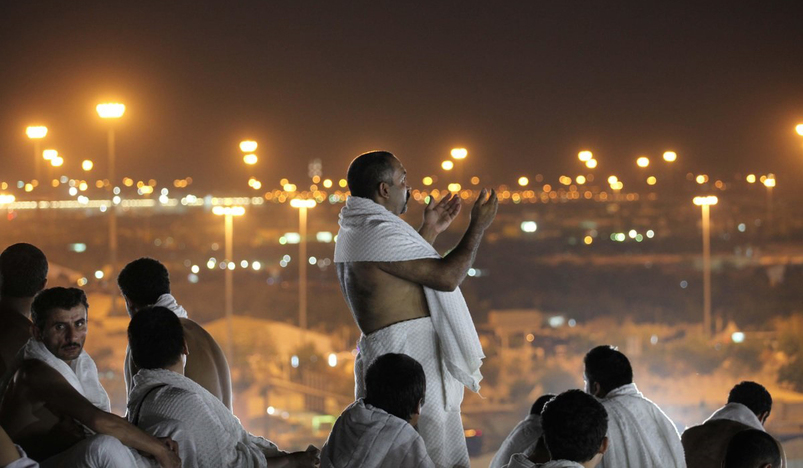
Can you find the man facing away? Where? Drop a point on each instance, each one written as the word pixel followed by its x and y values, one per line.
pixel 23 273
pixel 378 431
pixel 640 434
pixel 752 448
pixel 523 437
pixel 749 405
pixel 145 282
pixel 55 407
pixel 405 297
pixel 574 425
pixel 208 434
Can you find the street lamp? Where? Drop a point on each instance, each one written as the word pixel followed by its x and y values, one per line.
pixel 228 213
pixel 36 133
pixel 302 206
pixel 799 129
pixel 670 156
pixel 769 182
pixel 643 161
pixel 585 156
pixel 111 111
pixel 87 165
pixel 705 203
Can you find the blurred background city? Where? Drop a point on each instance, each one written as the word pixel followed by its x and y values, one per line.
pixel 647 159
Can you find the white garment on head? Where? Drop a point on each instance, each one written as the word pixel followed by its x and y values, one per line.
pixel 519 460
pixel 640 435
pixel 367 437
pixel 168 301
pixel 439 423
pixel 739 413
pixel 23 461
pixel 82 373
pixel 99 451
pixel 371 233
pixel 208 429
pixel 520 440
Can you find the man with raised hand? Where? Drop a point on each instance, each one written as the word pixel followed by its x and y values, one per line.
pixel 523 437
pixel 405 297
pixel 145 282
pixel 55 407
pixel 23 273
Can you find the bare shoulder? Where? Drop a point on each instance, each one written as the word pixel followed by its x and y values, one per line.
pixel 196 334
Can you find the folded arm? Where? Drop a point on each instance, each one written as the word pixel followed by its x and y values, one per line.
pixel 59 396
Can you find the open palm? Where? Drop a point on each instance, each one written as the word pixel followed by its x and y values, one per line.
pixel 438 216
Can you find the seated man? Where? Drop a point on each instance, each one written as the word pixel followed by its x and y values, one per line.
pixel 208 434
pixel 378 431
pixel 145 282
pixel 752 448
pixel 524 436
pixel 55 407
pixel 23 273
pixel 749 406
pixel 574 425
pixel 640 434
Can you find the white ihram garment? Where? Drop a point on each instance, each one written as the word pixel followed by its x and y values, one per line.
pixel 208 434
pixel 169 302
pixel 640 435
pixel 521 439
pixel 739 413
pixel 367 437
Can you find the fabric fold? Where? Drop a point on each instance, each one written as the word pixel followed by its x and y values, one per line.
pixel 169 302
pixel 739 413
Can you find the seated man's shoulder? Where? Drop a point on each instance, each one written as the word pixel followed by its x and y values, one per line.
pixel 34 372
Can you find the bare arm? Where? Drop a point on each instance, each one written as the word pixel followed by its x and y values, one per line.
pixel 446 274
pixel 438 216
pixel 8 452
pixel 62 398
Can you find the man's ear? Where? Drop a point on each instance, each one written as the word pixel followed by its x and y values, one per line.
pixel 604 447
pixel 596 389
pixel 36 332
pixel 185 350
pixel 384 189
pixel 763 417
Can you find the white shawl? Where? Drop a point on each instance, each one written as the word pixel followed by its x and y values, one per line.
pixel 520 440
pixel 371 233
pixel 739 413
pixel 168 301
pixel 215 435
pixel 82 374
pixel 368 437
pixel 640 434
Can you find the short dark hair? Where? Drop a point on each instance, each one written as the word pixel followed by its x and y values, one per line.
pixel 143 281
pixel 574 424
pixel 751 448
pixel 395 383
pixel 55 298
pixel 538 406
pixel 156 338
pixel 752 395
pixel 23 271
pixel 368 170
pixel 607 366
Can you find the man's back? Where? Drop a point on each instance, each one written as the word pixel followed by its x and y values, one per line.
pixel 706 443
pixel 15 331
pixel 206 363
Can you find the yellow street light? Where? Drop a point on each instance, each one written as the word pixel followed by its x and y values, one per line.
pixel 581 179
pixel 250 159
pixel 459 153
pixel 248 146
pixel 299 203
pixel 427 180
pixel 670 156
pixel 751 178
pixel 585 156
pixel 454 187
pixel 87 165
pixel 110 110
pixel 58 161
pixel 36 132
pixel 523 181
pixel 591 163
pixel 447 165
pixel 799 129
pixel 651 180
pixel 769 182
pixel 228 210
pixel 50 154
pixel 706 201
pixel 327 183
pixel 643 161
pixel 613 179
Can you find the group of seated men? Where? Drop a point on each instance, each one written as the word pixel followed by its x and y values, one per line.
pixel 55 411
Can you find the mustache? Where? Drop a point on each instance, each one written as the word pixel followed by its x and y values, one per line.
pixel 71 344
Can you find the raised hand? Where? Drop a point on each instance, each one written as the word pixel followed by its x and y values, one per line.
pixel 484 210
pixel 438 216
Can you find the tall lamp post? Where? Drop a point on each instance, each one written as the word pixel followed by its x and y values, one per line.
pixel 36 133
pixel 302 206
pixel 705 203
pixel 111 111
pixel 769 182
pixel 228 213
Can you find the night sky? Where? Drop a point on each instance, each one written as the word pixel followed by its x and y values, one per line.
pixel 523 85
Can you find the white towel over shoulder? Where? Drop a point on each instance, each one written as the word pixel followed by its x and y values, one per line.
pixel 82 374
pixel 371 233
pixel 739 413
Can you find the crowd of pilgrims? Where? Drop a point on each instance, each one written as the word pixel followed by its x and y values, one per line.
pixel 55 412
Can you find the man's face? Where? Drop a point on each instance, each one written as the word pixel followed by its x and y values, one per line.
pixel 64 333
pixel 399 191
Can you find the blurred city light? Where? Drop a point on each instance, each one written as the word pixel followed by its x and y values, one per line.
pixel 591 163
pixel 459 153
pixel 799 129
pixel 447 165
pixel 332 360
pixel 769 182
pixel 643 161
pixel 454 187
pixel 36 132
pixel 50 154
pixel 651 180
pixel 523 181
pixel 58 161
pixel 751 178
pixel 737 337
pixel 299 203
pixel 110 110
pixel 427 180
pixel 529 226
pixel 670 156
pixel 228 210
pixel 87 165
pixel 250 159
pixel 581 179
pixel 709 200
pixel 585 156
pixel 248 146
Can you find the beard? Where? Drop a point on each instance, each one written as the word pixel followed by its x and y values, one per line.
pixel 406 200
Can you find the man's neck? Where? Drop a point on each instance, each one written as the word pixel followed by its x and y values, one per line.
pixel 18 305
pixel 178 367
